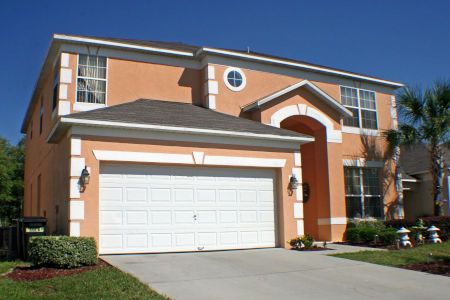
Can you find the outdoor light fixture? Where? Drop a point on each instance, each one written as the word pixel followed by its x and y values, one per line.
pixel 306 192
pixel 293 184
pixel 84 178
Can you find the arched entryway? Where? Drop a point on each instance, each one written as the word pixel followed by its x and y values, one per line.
pixel 321 168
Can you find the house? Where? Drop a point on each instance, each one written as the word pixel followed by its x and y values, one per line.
pixel 198 148
pixel 417 182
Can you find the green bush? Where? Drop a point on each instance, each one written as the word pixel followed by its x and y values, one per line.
pixel 367 234
pixel 62 251
pixel 307 241
pixel 388 236
pixel 367 231
pixel 352 235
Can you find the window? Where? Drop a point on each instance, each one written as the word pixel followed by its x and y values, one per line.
pixel 91 83
pixel 362 193
pixel 41 116
pixel 55 90
pixel 362 104
pixel 31 130
pixel 38 204
pixel 234 79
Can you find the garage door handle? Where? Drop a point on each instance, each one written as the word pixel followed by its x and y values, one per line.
pixel 195 217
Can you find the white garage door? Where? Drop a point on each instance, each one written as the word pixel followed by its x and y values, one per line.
pixel 163 209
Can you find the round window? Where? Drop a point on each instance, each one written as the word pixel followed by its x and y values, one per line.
pixel 234 79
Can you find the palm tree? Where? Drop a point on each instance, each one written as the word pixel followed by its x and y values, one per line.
pixel 426 119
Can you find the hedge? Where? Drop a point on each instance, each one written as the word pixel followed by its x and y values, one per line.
pixel 62 251
pixel 442 222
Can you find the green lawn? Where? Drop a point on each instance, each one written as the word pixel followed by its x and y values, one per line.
pixel 402 257
pixel 103 283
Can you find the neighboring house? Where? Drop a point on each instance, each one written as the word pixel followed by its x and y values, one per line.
pixel 418 182
pixel 193 148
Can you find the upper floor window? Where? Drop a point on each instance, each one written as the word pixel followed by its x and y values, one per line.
pixel 91 83
pixel 362 192
pixel 55 90
pixel 41 116
pixel 31 130
pixel 234 79
pixel 362 104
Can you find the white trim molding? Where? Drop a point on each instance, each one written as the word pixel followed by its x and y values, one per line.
pixel 362 162
pixel 74 229
pixel 361 131
pixel 333 136
pixel 102 42
pixel 332 221
pixel 188 159
pixel 309 86
pixel 84 106
pixel 76 209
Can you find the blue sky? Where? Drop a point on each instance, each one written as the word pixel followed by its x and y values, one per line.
pixel 406 41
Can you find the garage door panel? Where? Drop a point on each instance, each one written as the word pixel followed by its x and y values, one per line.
pixel 160 194
pixel 159 209
pixel 111 194
pixel 136 218
pixel 137 240
pixel 159 217
pixel 136 194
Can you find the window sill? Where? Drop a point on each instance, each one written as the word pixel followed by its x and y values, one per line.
pixel 81 106
pixel 362 131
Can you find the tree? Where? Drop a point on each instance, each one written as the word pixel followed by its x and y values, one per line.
pixel 11 179
pixel 425 119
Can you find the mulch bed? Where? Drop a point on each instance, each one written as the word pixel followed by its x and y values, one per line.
pixel 314 248
pixel 33 273
pixel 438 268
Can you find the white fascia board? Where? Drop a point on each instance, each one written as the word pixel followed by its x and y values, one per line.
pixel 311 87
pixel 74 121
pixel 187 159
pixel 410 180
pixel 68 38
pixel 298 65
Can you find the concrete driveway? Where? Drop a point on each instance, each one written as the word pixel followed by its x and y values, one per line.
pixel 276 274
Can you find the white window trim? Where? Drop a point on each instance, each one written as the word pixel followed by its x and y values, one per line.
pixel 85 105
pixel 358 130
pixel 359 108
pixel 234 88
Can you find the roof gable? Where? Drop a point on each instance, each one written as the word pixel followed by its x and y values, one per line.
pixel 305 84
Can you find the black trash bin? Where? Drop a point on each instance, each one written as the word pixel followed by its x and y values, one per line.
pixel 28 227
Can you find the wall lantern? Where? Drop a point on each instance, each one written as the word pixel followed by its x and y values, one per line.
pixel 306 192
pixel 293 184
pixel 84 178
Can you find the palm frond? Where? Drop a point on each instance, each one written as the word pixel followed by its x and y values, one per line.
pixel 411 104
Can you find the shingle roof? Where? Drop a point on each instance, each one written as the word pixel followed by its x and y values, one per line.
pixel 176 114
pixel 179 46
pixel 416 159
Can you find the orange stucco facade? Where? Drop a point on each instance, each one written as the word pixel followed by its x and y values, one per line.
pixel 132 76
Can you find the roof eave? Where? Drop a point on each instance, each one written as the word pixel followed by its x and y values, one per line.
pixel 311 87
pixel 299 65
pixel 64 123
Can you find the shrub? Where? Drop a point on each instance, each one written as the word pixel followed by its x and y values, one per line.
pixel 352 235
pixel 442 222
pixel 388 236
pixel 367 234
pixel 295 243
pixel 307 241
pixel 62 251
